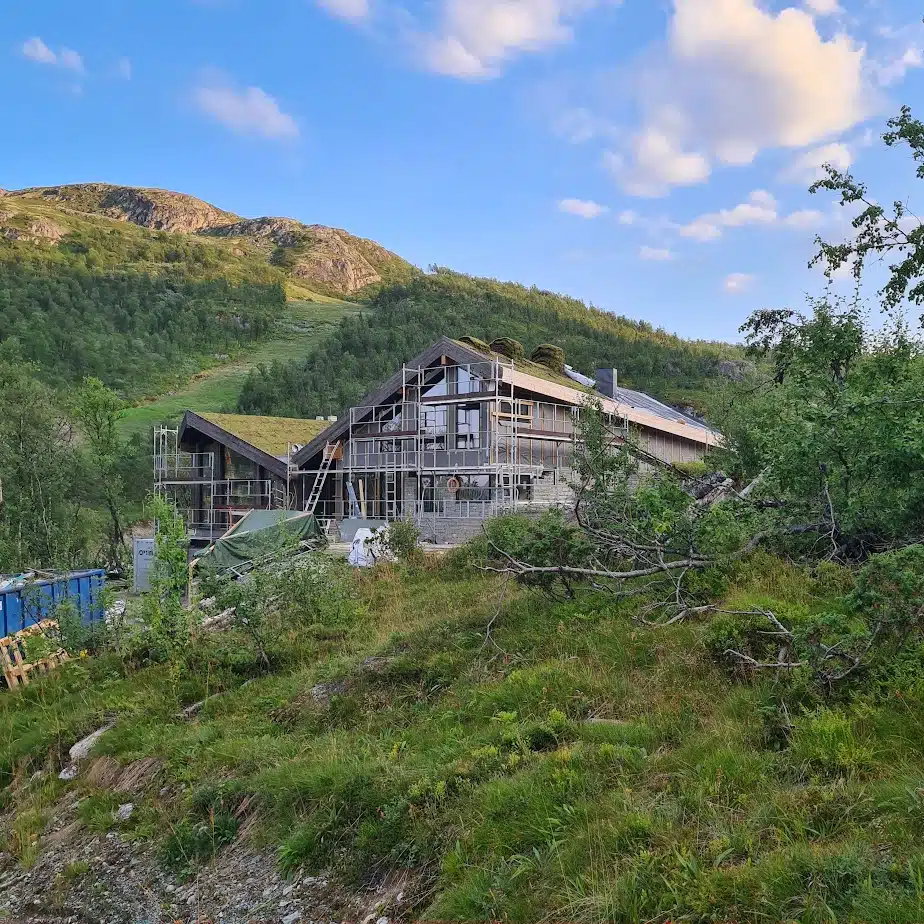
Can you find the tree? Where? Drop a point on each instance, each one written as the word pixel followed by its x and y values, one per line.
pixel 43 521
pixel 898 236
pixel 640 527
pixel 97 410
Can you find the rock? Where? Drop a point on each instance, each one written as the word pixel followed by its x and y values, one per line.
pixel 82 748
pixel 124 812
pixel 321 693
pixel 68 773
pixel 735 370
pixel 37 231
pixel 374 664
pixel 292 918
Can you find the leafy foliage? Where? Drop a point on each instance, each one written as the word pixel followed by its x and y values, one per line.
pixel 898 237
pixel 404 319
pixel 132 331
pixel 836 437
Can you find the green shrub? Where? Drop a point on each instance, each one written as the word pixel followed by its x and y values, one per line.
pixel 826 739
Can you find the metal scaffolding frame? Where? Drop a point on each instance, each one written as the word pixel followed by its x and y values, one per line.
pixel 180 477
pixel 417 436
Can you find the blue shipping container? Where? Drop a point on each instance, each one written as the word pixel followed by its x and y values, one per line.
pixel 27 602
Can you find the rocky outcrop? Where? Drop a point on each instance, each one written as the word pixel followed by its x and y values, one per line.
pixel 283 232
pixel 735 369
pixel 157 209
pixel 335 261
pixel 327 260
pixel 37 231
pixel 329 256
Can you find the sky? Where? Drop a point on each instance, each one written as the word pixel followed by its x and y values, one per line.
pixel 651 157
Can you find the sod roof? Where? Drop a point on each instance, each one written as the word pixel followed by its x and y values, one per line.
pixel 271 434
pixel 538 370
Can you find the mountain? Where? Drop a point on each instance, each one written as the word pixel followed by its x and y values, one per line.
pixel 309 258
pixel 143 288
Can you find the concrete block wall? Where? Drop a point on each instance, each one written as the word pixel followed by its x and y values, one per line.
pixel 554 491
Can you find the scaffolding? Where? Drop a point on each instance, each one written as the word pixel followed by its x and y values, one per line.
pixel 194 485
pixel 457 442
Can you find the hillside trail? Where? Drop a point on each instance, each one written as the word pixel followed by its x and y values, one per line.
pixel 217 389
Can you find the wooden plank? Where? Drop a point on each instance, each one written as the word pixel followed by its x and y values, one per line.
pixel 16 669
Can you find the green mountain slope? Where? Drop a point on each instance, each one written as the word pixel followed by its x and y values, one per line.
pixel 119 283
pixel 407 318
pixel 302 326
pixel 161 294
pixel 310 258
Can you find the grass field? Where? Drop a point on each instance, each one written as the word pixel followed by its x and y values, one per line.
pixel 217 389
pixel 567 766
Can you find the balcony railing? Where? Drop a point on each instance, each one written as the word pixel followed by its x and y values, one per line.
pixel 184 466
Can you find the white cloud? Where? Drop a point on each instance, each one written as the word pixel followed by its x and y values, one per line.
pixel 804 218
pixel 69 58
pixel 353 10
pixel 659 254
pixel 823 7
pixel 809 165
pixel 628 217
pixel 36 50
pixel 250 111
pixel 582 208
pixel 895 70
pixel 737 282
pixel 655 164
pixel 760 208
pixel 124 68
pixel 475 37
pixel 737 79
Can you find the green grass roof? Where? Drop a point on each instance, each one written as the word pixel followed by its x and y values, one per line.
pixel 537 370
pixel 271 434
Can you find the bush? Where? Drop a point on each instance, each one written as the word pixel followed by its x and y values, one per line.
pixel 400 539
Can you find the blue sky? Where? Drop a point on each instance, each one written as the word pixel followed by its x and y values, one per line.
pixel 648 156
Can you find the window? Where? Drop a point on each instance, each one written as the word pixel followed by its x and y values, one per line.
pixel 468 426
pixel 434 426
pixel 467 382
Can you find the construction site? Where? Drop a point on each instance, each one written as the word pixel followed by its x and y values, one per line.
pixel 461 433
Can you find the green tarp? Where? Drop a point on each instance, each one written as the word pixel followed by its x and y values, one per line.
pixel 259 534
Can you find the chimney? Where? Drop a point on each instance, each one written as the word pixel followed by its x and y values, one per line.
pixel 607 382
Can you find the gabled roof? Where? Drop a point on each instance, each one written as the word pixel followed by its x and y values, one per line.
pixel 263 440
pixel 636 406
pixel 273 435
pixel 443 347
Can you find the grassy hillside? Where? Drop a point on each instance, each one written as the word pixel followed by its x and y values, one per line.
pixel 302 327
pixel 567 765
pixel 309 258
pixel 403 320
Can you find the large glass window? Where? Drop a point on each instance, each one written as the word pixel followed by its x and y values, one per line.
pixel 434 426
pixel 468 426
pixel 467 382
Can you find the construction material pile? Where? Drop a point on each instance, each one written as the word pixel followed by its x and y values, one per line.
pixel 550 356
pixel 508 347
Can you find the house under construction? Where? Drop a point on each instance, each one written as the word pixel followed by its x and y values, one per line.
pixel 459 434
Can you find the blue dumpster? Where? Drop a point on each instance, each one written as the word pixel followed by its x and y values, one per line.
pixel 24 603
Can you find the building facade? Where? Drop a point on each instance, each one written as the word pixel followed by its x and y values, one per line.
pixel 460 434
pixel 457 435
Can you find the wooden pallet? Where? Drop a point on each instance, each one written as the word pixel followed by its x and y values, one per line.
pixel 16 669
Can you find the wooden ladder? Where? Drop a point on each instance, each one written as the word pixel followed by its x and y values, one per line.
pixel 331 452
